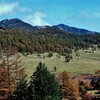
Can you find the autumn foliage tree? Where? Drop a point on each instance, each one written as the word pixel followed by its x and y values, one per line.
pixel 69 89
pixel 11 69
pixel 4 87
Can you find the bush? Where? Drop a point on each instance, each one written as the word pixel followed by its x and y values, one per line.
pixel 50 54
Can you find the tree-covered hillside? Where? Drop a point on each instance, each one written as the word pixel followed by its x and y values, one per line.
pixel 47 39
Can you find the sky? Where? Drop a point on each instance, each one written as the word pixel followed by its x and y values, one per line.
pixel 76 13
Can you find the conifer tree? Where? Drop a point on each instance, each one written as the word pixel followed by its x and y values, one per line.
pixel 21 89
pixel 44 85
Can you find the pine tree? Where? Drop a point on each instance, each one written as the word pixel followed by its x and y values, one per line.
pixel 44 85
pixel 21 89
pixel 30 93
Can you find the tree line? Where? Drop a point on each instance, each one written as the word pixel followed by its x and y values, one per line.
pixel 48 39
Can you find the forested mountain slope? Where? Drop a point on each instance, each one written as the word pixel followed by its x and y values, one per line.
pixel 47 39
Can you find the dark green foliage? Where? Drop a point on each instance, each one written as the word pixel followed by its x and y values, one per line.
pixel 48 39
pixel 68 57
pixel 44 85
pixel 34 42
pixel 30 93
pixel 55 68
pixel 21 89
pixel 76 51
pixel 50 54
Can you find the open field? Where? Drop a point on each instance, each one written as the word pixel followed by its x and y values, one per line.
pixel 86 63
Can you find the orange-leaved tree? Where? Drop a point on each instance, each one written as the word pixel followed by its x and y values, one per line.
pixel 11 70
pixel 69 89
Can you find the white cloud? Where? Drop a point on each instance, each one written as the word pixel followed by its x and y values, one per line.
pixel 37 18
pixel 14 9
pixel 6 8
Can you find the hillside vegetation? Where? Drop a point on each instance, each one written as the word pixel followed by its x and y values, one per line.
pixel 48 39
pixel 60 51
pixel 33 46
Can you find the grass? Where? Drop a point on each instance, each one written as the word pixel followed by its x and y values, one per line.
pixel 87 63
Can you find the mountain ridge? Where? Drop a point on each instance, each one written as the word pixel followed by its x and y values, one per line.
pixel 18 24
pixel 71 29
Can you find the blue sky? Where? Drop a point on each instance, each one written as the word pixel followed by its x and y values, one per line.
pixel 77 13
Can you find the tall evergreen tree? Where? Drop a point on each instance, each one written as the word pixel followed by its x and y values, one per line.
pixel 21 89
pixel 44 85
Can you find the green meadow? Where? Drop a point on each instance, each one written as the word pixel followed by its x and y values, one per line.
pixel 85 63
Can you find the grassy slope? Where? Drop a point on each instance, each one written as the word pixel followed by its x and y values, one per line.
pixel 87 63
